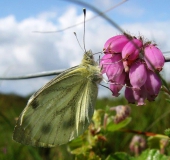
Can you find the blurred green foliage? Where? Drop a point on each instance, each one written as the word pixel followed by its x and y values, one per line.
pixel 154 117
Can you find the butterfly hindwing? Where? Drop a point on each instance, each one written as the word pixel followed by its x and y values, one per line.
pixel 59 111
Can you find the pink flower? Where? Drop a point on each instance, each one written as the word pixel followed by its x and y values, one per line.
pixel 115 44
pixel 137 74
pixel 131 49
pixel 129 69
pixel 114 69
pixel 105 62
pixel 152 85
pixel 122 112
pixel 129 95
pixel 137 144
pixel 119 83
pixel 153 58
pixel 140 96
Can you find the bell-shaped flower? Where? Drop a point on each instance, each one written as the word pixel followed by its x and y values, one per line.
pixel 117 84
pixel 105 62
pixel 137 74
pixel 152 85
pixel 115 44
pixel 115 68
pixel 122 112
pixel 131 49
pixel 153 57
pixel 137 144
pixel 129 95
pixel 140 96
pixel 134 96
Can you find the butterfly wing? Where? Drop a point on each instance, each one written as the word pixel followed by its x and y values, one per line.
pixel 59 111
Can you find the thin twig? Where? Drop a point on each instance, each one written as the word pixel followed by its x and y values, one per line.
pixel 36 75
pixel 61 30
pixel 167 57
pixel 52 73
pixel 94 9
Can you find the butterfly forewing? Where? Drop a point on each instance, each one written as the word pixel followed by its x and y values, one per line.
pixel 59 111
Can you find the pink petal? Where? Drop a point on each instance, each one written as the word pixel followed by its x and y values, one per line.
pixel 129 95
pixel 122 112
pixel 137 74
pixel 152 85
pixel 154 58
pixel 105 60
pixel 119 83
pixel 140 96
pixel 131 49
pixel 116 68
pixel 115 44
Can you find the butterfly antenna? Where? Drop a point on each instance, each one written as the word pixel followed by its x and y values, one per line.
pixel 84 11
pixel 78 40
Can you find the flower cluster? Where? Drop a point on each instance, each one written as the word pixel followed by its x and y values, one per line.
pixel 131 62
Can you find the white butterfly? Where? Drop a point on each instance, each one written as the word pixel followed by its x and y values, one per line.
pixel 62 109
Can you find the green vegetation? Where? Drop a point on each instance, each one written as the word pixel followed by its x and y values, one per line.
pixel 154 117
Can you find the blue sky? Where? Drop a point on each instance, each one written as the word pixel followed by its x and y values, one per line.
pixel 136 10
pixel 23 52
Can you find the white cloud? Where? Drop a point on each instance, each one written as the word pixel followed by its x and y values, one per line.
pixel 23 52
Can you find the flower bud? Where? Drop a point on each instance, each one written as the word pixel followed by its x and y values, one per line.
pixel 115 44
pixel 140 96
pixel 137 74
pixel 131 49
pixel 152 85
pixel 129 95
pixel 105 62
pixel 115 68
pixel 137 144
pixel 119 83
pixel 154 58
pixel 163 145
pixel 136 95
pixel 122 112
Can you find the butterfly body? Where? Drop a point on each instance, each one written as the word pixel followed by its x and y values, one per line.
pixel 62 109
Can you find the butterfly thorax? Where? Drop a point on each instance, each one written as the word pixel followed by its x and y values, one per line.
pixel 93 69
pixel 88 59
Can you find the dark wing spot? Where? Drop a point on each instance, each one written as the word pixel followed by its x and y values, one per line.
pixel 35 104
pixel 46 128
pixel 22 135
pixel 69 123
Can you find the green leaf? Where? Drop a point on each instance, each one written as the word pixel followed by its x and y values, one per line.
pixel 81 150
pixel 167 132
pixel 114 127
pixel 78 142
pixel 154 141
pixel 152 154
pixel 168 100
pixel 119 156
